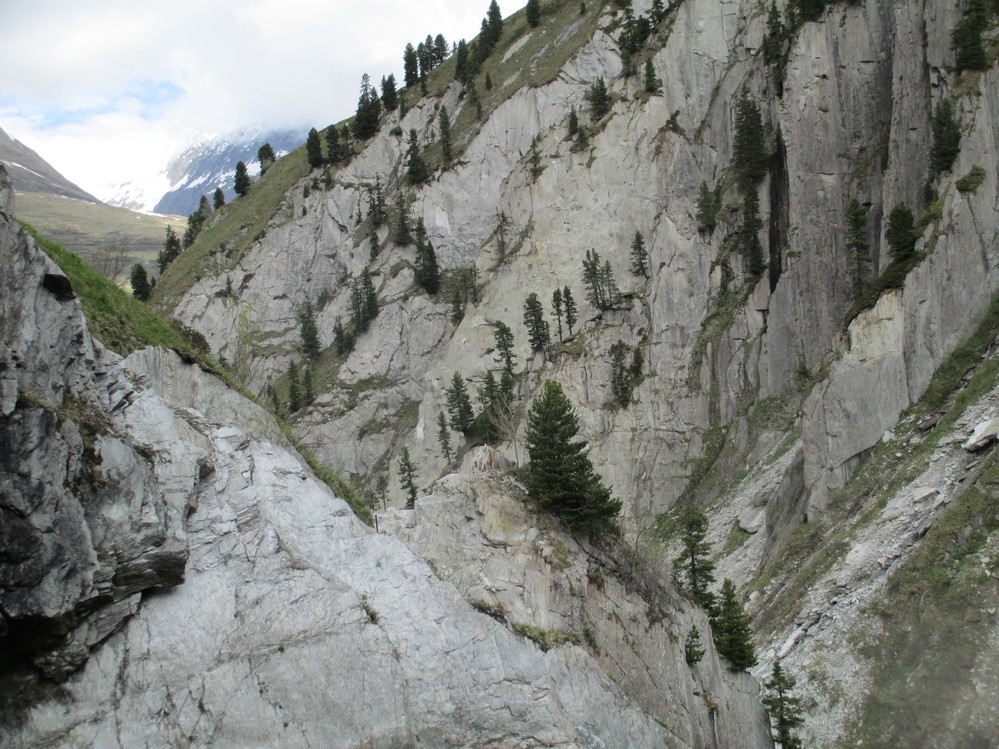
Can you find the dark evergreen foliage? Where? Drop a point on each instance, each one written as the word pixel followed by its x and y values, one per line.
pixel 731 630
pixel 140 282
pixel 416 167
pixel 407 478
pixel 966 39
pixel 693 569
pixel 569 306
pixel 784 709
pixel 444 122
pixel 599 99
pixel 242 184
pixel 314 149
pixel 749 234
pixel 294 398
pixel 308 390
pixel 749 154
pixel 562 478
pixel 651 83
pixel 459 405
pixel 461 62
pixel 538 330
pixel 946 138
pixel 309 332
pixel 401 236
pixel 410 66
pixel 901 232
pixel 809 10
pixel 390 96
pixel 533 12
pixel 427 272
pixel 857 243
pixel 504 345
pixel 266 157
pixel 601 289
pixel 573 126
pixel 441 50
pixel 335 152
pixel 692 650
pixel 171 249
pixel 218 199
pixel 557 310
pixel 639 257
pixel 368 110
pixel 444 436
pixel 708 204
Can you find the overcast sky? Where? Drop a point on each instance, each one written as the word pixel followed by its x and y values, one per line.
pixel 107 90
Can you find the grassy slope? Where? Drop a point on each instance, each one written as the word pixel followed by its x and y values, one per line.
pixel 85 227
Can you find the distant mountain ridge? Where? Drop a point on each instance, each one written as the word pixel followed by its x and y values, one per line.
pixel 29 172
pixel 207 163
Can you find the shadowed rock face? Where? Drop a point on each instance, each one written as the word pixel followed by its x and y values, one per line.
pixel 184 579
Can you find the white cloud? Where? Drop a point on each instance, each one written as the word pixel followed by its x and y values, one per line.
pixel 110 89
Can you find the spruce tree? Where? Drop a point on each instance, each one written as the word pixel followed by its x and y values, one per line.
pixel 266 157
pixel 569 305
pixel 242 181
pixel 966 39
pixel 533 12
pixel 334 150
pixel 639 257
pixel 557 310
pixel 749 234
pixel 407 477
pixel 308 391
pixel 410 66
pixel 461 62
pixel 692 649
pixel 390 96
pixel 294 401
pixel 427 273
pixel 562 478
pixel 901 232
pixel 401 236
pixel 309 332
pixel 140 282
pixel 693 569
pixel 599 99
pixel 732 632
pixel 459 405
pixel 749 152
pixel 651 83
pixel 573 126
pixel 856 242
pixel 444 436
pixel 707 207
pixel 314 149
pixel 445 127
pixel 785 710
pixel 946 138
pixel 538 330
pixel 621 377
pixel 171 249
pixel 440 49
pixel 218 198
pixel 416 167
pixel 504 345
pixel 368 109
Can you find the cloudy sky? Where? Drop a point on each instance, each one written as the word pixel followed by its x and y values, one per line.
pixel 107 90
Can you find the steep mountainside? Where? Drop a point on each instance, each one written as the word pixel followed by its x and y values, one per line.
pixel 31 173
pixel 775 361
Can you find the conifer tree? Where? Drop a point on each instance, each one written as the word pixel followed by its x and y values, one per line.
pixel 692 649
pixel 242 182
pixel 440 49
pixel 368 109
pixel 651 83
pixel 461 62
pixel 749 234
pixel 140 282
pixel 410 66
pixel 390 96
pixel 171 249
pixel 810 10
pixel 707 207
pixel 657 12
pixel 427 272
pixel 459 405
pixel 569 305
pixel 218 198
pixel 494 25
pixel 416 167
pixel 749 153
pixel 693 569
pixel 901 232
pixel 334 150
pixel 856 242
pixel 639 257
pixel 310 335
pixel 621 377
pixel 966 39
pixel 562 478
pixel 573 126
pixel 533 12
pixel 445 127
pixel 495 400
pixel 504 345
pixel 457 305
pixel 314 149
pixel 376 204
pixel 401 236
pixel 266 157
pixel 599 99
pixel 557 310
pixel 444 436
pixel 731 630
pixel 294 402
pixel 538 330
pixel 407 477
pixel 946 138
pixel 308 392
pixel 785 710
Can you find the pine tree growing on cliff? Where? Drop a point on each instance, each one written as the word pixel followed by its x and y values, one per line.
pixel 946 138
pixel 444 122
pixel 692 650
pixel 459 405
pixel 538 330
pixel 314 149
pixel 732 631
pixel 416 167
pixel 242 181
pixel 599 99
pixel 533 12
pixel 562 478
pixel 966 39
pixel 639 257
pixel 171 249
pixel 368 109
pixel 294 399
pixel 410 66
pixel 693 569
pixel 504 345
pixel 309 332
pixel 218 199
pixel 557 310
pixel 856 242
pixel 785 710
pixel 749 151
pixel 569 305
pixel 266 157
pixel 390 96
pixel 407 477
pixel 901 232
pixel 444 436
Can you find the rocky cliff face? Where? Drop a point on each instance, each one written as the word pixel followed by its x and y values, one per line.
pixel 171 573
pixel 762 397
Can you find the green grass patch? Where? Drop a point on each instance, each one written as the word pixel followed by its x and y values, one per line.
pixel 547 639
pixel 893 277
pixel 736 538
pixel 971 181
pixel 243 222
